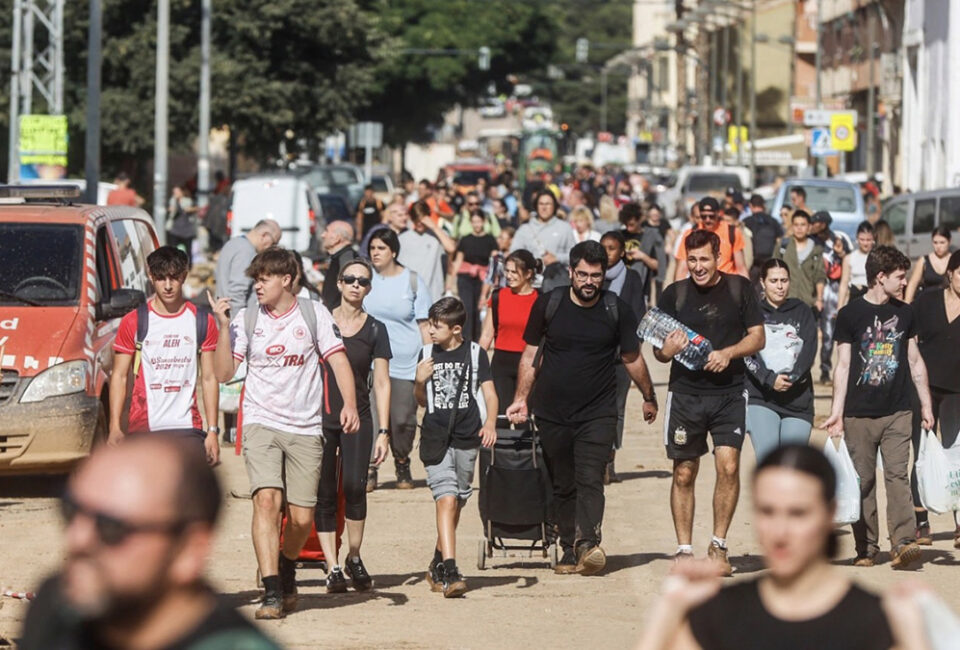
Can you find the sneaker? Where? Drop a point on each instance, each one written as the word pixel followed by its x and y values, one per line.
pixel 371 478
pixel 718 554
pixel 336 583
pixel 864 561
pixel 591 561
pixel 358 574
pixel 682 556
pixel 404 479
pixel 922 536
pixel 435 576
pixel 271 608
pixel 904 555
pixel 567 564
pixel 288 584
pixel 454 586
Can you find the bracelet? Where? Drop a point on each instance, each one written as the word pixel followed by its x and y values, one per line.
pixel 213 430
pixel 383 432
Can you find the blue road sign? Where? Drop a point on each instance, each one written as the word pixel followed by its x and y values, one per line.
pixel 820 143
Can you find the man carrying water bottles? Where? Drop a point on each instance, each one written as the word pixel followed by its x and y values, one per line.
pixel 724 309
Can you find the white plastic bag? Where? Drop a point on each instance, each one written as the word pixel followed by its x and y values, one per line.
pixel 848 483
pixel 938 475
pixel 230 392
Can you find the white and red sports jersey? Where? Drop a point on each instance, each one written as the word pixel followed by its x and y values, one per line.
pixel 284 388
pixel 165 391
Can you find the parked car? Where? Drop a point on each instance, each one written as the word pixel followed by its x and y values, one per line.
pixel 694 183
pixel 912 217
pixel 842 199
pixel 344 179
pixel 383 187
pixel 335 208
pixel 288 199
pixel 68 273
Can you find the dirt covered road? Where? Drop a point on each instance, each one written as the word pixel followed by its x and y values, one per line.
pixel 518 604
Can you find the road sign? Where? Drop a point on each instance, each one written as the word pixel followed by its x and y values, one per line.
pixel 843 132
pixel 820 143
pixel 732 136
pixel 721 116
pixel 822 117
pixel 366 134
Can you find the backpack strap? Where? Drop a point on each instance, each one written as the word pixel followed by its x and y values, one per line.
pixel 413 284
pixel 426 354
pixel 553 304
pixel 732 232
pixel 250 321
pixel 495 307
pixel 611 308
pixel 143 323
pixel 310 317
pixel 475 382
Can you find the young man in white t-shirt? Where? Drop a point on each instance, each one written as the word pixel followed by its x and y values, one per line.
pixel 282 403
pixel 164 397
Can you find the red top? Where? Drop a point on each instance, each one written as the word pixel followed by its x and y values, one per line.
pixel 514 311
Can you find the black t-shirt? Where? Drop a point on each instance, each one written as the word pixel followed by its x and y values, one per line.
pixel 938 339
pixel 330 296
pixel 476 249
pixel 721 313
pixel 51 624
pixel 371 212
pixel 879 372
pixel 577 378
pixel 448 366
pixel 369 343
pixel 735 619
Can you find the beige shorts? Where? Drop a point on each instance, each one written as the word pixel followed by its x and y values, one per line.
pixel 276 457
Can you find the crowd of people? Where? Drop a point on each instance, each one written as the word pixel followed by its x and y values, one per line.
pixel 555 280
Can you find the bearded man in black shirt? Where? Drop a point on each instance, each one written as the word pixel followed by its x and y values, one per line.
pixel 724 309
pixel 579 330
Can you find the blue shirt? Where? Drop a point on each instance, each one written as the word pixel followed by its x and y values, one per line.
pixel 392 303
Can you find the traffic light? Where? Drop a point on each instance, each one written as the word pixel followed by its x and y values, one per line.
pixel 483 58
pixel 583 50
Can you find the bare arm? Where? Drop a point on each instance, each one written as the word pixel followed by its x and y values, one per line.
pixel 381 388
pixel 918 370
pixel 637 369
pixel 739 264
pixel 751 343
pixel 424 331
pixel 844 292
pixel 448 243
pixel 343 374
pixel 526 375
pixel 454 270
pixel 841 376
pixel 224 364
pixel 487 333
pixel 210 388
pixel 914 283
pixel 118 394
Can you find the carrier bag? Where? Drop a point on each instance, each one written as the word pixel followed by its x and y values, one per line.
pixel 230 391
pixel 848 483
pixel 938 475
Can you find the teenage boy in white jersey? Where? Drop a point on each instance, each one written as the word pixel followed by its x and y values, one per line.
pixel 282 404
pixel 160 341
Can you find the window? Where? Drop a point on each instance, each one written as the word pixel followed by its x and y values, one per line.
pixel 707 183
pixel 829 198
pixel 133 265
pixel 896 216
pixel 949 212
pixel 40 263
pixel 923 215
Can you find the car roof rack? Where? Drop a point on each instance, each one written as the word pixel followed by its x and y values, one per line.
pixel 60 193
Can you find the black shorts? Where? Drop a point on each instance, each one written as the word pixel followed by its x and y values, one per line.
pixel 690 417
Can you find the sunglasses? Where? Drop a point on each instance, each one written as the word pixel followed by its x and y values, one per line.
pixel 112 530
pixel 356 279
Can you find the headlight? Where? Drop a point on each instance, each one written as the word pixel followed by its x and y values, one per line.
pixel 62 379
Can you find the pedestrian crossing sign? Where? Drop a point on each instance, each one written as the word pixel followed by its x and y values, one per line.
pixel 820 143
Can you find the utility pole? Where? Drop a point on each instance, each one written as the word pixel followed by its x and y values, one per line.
pixel 714 85
pixel 13 159
pixel 91 165
pixel 160 121
pixel 738 119
pixel 203 160
pixel 871 93
pixel 817 66
pixel 753 94
pixel 603 99
pixel 724 69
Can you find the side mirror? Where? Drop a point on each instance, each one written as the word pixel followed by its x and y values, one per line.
pixel 121 302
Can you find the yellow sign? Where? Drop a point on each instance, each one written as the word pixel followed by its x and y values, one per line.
pixel 43 140
pixel 732 136
pixel 843 132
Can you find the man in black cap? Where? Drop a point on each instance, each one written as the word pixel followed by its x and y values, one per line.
pixel 820 229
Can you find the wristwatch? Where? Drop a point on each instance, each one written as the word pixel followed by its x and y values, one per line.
pixel 381 432
pixel 213 430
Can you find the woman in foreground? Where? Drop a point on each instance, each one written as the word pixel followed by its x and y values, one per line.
pixel 802 601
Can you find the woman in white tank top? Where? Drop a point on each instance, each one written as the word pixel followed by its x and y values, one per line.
pixel 853 282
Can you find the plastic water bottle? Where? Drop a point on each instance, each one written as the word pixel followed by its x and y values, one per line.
pixel 657 325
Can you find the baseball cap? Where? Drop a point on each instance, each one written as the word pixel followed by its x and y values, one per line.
pixel 709 202
pixel 821 216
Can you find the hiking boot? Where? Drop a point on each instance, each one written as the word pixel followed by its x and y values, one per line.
pixel 591 561
pixel 904 555
pixel 371 478
pixel 454 586
pixel 288 583
pixel 271 607
pixel 922 536
pixel 336 583
pixel 567 564
pixel 718 554
pixel 358 574
pixel 435 576
pixel 865 561
pixel 404 479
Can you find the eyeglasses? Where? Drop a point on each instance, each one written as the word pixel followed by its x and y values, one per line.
pixel 583 276
pixel 472 204
pixel 356 279
pixel 113 530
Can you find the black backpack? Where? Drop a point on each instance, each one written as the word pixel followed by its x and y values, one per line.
pixel 765 233
pixel 143 325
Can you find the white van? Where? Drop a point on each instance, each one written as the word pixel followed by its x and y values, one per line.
pixel 288 200
pixel 912 217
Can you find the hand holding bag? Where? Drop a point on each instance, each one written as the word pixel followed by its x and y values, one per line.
pixel 848 483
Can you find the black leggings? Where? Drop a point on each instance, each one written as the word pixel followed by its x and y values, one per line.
pixel 946 412
pixel 355 458
pixel 504 368
pixel 468 288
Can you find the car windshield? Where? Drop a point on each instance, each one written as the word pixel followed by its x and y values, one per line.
pixel 40 263
pixel 830 198
pixel 470 177
pixel 707 183
pixel 379 184
pixel 334 209
pixel 344 176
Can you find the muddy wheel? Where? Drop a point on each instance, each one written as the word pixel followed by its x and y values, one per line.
pixel 102 430
pixel 554 555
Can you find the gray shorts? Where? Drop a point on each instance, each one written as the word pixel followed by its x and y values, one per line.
pixel 273 457
pixel 452 476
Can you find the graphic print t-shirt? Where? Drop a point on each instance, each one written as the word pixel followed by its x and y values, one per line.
pixel 284 389
pixel 165 391
pixel 448 366
pixel 879 372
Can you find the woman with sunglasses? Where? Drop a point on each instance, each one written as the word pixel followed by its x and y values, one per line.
pixel 401 301
pixel 368 346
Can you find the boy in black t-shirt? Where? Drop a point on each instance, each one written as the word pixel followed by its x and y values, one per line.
pixel 724 309
pixel 872 402
pixel 455 385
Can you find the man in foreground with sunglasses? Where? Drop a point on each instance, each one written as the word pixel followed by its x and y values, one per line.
pixel 139 521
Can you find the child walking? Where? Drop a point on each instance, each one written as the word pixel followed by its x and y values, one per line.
pixel 454 384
